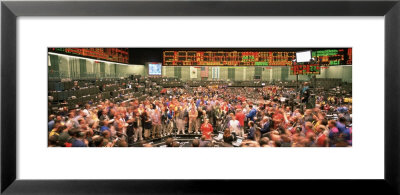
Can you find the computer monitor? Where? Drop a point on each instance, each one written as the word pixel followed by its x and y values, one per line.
pixel 237 143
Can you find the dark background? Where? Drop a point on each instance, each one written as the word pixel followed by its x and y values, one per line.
pixel 143 55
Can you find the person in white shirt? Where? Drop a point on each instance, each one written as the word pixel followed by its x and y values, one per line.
pixel 234 126
pixel 86 110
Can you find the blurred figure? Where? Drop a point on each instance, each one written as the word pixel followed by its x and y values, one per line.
pixel 180 114
pixel 229 137
pixel 193 120
pixel 137 127
pixel 195 143
pixel 156 123
pixel 147 125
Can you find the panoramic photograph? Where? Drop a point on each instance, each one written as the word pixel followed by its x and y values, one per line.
pixel 199 97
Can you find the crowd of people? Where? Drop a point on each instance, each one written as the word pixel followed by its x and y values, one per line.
pixel 269 116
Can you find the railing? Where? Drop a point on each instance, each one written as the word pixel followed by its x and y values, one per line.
pixel 58 75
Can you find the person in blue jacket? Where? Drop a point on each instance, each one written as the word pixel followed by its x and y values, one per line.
pixel 252 113
pixel 344 132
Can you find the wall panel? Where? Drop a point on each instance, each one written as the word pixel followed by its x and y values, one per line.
pixel 81 68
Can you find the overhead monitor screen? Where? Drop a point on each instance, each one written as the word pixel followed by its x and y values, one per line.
pixel 304 56
pixel 154 68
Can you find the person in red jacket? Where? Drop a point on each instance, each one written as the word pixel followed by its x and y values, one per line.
pixel 240 116
pixel 206 129
pixel 322 140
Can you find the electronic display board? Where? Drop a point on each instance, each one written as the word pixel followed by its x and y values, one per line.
pixel 227 58
pixel 305 69
pixel 263 57
pixel 109 54
pixel 332 57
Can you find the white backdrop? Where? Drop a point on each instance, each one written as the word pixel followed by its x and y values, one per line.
pixel 364 160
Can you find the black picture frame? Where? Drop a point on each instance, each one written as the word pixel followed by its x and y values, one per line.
pixel 10 10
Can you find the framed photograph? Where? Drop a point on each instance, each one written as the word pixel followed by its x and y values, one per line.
pixel 189 96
